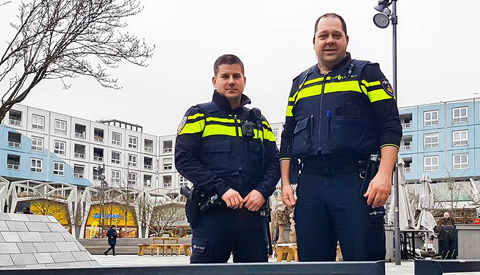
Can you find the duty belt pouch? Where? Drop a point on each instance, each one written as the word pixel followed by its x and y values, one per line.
pixel 191 211
pixel 302 137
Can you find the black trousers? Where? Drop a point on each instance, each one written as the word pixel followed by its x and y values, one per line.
pixel 112 247
pixel 217 235
pixel 331 209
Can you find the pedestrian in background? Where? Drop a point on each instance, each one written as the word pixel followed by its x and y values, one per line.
pixel 112 239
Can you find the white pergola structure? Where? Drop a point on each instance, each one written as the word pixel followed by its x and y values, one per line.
pixel 155 197
pixel 30 190
pixel 3 193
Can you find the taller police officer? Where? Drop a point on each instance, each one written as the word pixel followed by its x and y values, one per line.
pixel 228 150
pixel 339 112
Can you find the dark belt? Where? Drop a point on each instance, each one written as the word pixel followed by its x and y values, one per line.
pixel 332 171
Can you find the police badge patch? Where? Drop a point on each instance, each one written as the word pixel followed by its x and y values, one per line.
pixel 387 87
pixel 182 124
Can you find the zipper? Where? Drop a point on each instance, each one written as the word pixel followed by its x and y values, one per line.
pixel 240 169
pixel 324 82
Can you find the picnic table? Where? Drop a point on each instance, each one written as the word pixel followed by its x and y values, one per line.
pixel 171 246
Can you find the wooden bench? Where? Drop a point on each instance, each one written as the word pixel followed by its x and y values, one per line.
pixel 289 251
pixel 165 248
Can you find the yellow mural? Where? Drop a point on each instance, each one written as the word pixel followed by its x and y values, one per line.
pixel 114 214
pixel 51 208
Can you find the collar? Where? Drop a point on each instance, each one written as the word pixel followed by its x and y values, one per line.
pixel 344 62
pixel 224 105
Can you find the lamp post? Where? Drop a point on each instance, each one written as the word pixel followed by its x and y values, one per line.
pixel 103 185
pixel 382 20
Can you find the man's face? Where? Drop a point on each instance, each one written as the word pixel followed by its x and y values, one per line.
pixel 330 41
pixel 230 81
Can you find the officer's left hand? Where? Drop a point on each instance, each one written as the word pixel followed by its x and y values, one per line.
pixel 379 190
pixel 254 200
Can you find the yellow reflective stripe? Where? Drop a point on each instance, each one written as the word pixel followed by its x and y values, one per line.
pixel 289 111
pixel 345 86
pixel 227 120
pixel 192 128
pixel 290 99
pixel 266 124
pixel 269 135
pixel 370 84
pixel 196 115
pixel 393 145
pixel 285 158
pixel 216 129
pixel 308 92
pixel 257 134
pixel 378 95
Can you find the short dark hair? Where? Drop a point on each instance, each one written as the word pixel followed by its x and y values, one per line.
pixel 229 59
pixel 332 15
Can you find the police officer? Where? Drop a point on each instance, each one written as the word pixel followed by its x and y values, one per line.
pixel 229 151
pixel 340 111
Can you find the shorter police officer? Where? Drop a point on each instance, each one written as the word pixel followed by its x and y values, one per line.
pixel 229 154
pixel 340 112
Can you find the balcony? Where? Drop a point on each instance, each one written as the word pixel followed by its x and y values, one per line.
pixel 98 138
pixel 149 149
pixel 14 144
pixel 13 166
pixel 147 166
pixel 408 169
pixel 78 175
pixel 15 122
pixel 79 155
pixel 80 135
pixel 406 125
pixel 97 158
pixel 407 147
pixel 167 150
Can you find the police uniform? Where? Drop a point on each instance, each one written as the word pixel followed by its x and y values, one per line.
pixel 333 123
pixel 218 148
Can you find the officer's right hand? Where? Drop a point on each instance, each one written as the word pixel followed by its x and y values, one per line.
pixel 288 195
pixel 233 199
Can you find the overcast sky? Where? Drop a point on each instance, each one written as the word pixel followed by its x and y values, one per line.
pixel 437 52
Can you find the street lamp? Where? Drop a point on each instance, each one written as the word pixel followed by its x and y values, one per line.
pixel 382 20
pixel 103 185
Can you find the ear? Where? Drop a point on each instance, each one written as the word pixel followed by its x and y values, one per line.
pixel 214 82
pixel 348 38
pixel 244 80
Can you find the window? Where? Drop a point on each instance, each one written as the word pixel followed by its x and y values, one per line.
pixel 78 171
pixel 59 147
pixel 460 115
pixel 98 134
pixel 460 161
pixel 167 164
pixel 58 168
pixel 182 181
pixel 132 142
pixel 147 180
pixel 116 138
pixel 37 144
pixel 36 165
pixel 167 181
pixel 116 176
pixel 97 154
pixel 15 118
pixel 132 178
pixel 167 146
pixel 408 165
pixel 96 173
pixel 430 140
pixel 14 139
pixel 148 145
pixel 430 118
pixel 148 163
pixel 430 163
pixel 60 127
pixel 132 160
pixel 13 162
pixel 80 131
pixel 116 157
pixel 460 138
pixel 38 122
pixel 407 143
pixel 79 151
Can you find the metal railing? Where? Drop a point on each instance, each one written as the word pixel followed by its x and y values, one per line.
pixel 149 149
pixel 80 155
pixel 15 122
pixel 13 166
pixel 14 144
pixel 318 268
pixel 147 166
pixel 97 158
pixel 78 175
pixel 432 267
pixel 80 135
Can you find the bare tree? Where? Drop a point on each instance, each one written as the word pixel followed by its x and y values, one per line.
pixel 166 215
pixel 58 39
